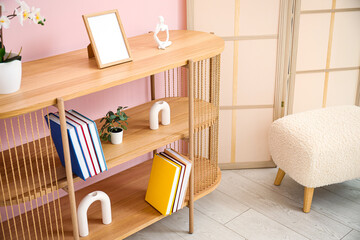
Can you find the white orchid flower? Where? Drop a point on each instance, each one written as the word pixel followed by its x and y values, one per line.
pixel 23 12
pixel 23 5
pixel 4 22
pixel 35 15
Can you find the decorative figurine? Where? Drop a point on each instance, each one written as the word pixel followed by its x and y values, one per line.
pixel 154 114
pixel 84 206
pixel 162 27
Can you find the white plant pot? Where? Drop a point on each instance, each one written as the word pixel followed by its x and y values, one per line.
pixel 116 137
pixel 10 76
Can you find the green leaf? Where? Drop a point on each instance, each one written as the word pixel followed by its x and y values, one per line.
pixel 13 58
pixel 2 54
pixel 104 137
pixel 20 51
pixel 109 138
pixel 124 127
pixel 8 56
pixel 104 126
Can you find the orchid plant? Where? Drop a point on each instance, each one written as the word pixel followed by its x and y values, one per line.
pixel 23 12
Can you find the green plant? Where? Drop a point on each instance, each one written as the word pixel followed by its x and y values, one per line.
pixel 23 12
pixel 113 122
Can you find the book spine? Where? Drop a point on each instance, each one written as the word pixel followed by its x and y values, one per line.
pixel 96 138
pixel 87 147
pixel 94 152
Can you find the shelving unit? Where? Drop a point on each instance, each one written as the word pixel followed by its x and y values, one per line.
pixel 32 170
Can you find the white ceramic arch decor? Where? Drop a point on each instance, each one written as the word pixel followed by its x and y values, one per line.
pixel 154 114
pixel 84 206
pixel 162 27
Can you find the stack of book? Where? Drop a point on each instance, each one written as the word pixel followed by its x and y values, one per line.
pixel 87 157
pixel 168 181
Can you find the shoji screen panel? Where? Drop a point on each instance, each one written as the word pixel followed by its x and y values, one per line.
pixel 326 65
pixel 248 73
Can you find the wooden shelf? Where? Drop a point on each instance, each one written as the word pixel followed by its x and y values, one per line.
pixel 72 74
pixel 130 212
pixel 138 140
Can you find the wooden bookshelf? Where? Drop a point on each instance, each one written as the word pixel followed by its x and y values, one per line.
pixel 130 212
pixel 53 80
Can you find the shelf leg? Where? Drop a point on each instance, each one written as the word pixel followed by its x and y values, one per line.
pixel 191 144
pixel 152 84
pixel 69 174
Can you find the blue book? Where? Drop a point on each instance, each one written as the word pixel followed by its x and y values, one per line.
pixel 78 164
pixel 95 138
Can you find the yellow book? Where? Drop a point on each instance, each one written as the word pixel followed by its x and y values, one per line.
pixel 164 178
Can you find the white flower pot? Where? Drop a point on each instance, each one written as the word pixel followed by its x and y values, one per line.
pixel 116 137
pixel 10 76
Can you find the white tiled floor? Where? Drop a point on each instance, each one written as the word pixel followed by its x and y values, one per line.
pixel 247 205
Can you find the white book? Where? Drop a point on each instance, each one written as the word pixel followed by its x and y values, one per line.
pixel 95 137
pixel 188 165
pixel 88 140
pixel 84 146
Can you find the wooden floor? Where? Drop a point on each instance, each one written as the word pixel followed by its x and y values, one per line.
pixel 247 205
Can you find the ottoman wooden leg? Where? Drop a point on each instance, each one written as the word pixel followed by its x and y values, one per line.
pixel 279 177
pixel 308 196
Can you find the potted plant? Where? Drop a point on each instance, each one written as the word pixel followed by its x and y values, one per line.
pixel 10 63
pixel 113 127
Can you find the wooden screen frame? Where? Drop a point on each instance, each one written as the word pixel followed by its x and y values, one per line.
pixel 92 40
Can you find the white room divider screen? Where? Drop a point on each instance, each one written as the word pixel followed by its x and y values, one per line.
pixel 326 54
pixel 248 73
pixel 281 57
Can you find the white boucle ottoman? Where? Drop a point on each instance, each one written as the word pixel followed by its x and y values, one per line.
pixel 317 148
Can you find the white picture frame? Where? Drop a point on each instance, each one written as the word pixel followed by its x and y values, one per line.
pixel 107 38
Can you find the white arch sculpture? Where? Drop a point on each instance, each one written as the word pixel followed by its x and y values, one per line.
pixel 84 206
pixel 154 114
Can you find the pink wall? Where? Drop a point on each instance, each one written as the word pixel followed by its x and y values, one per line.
pixel 64 31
